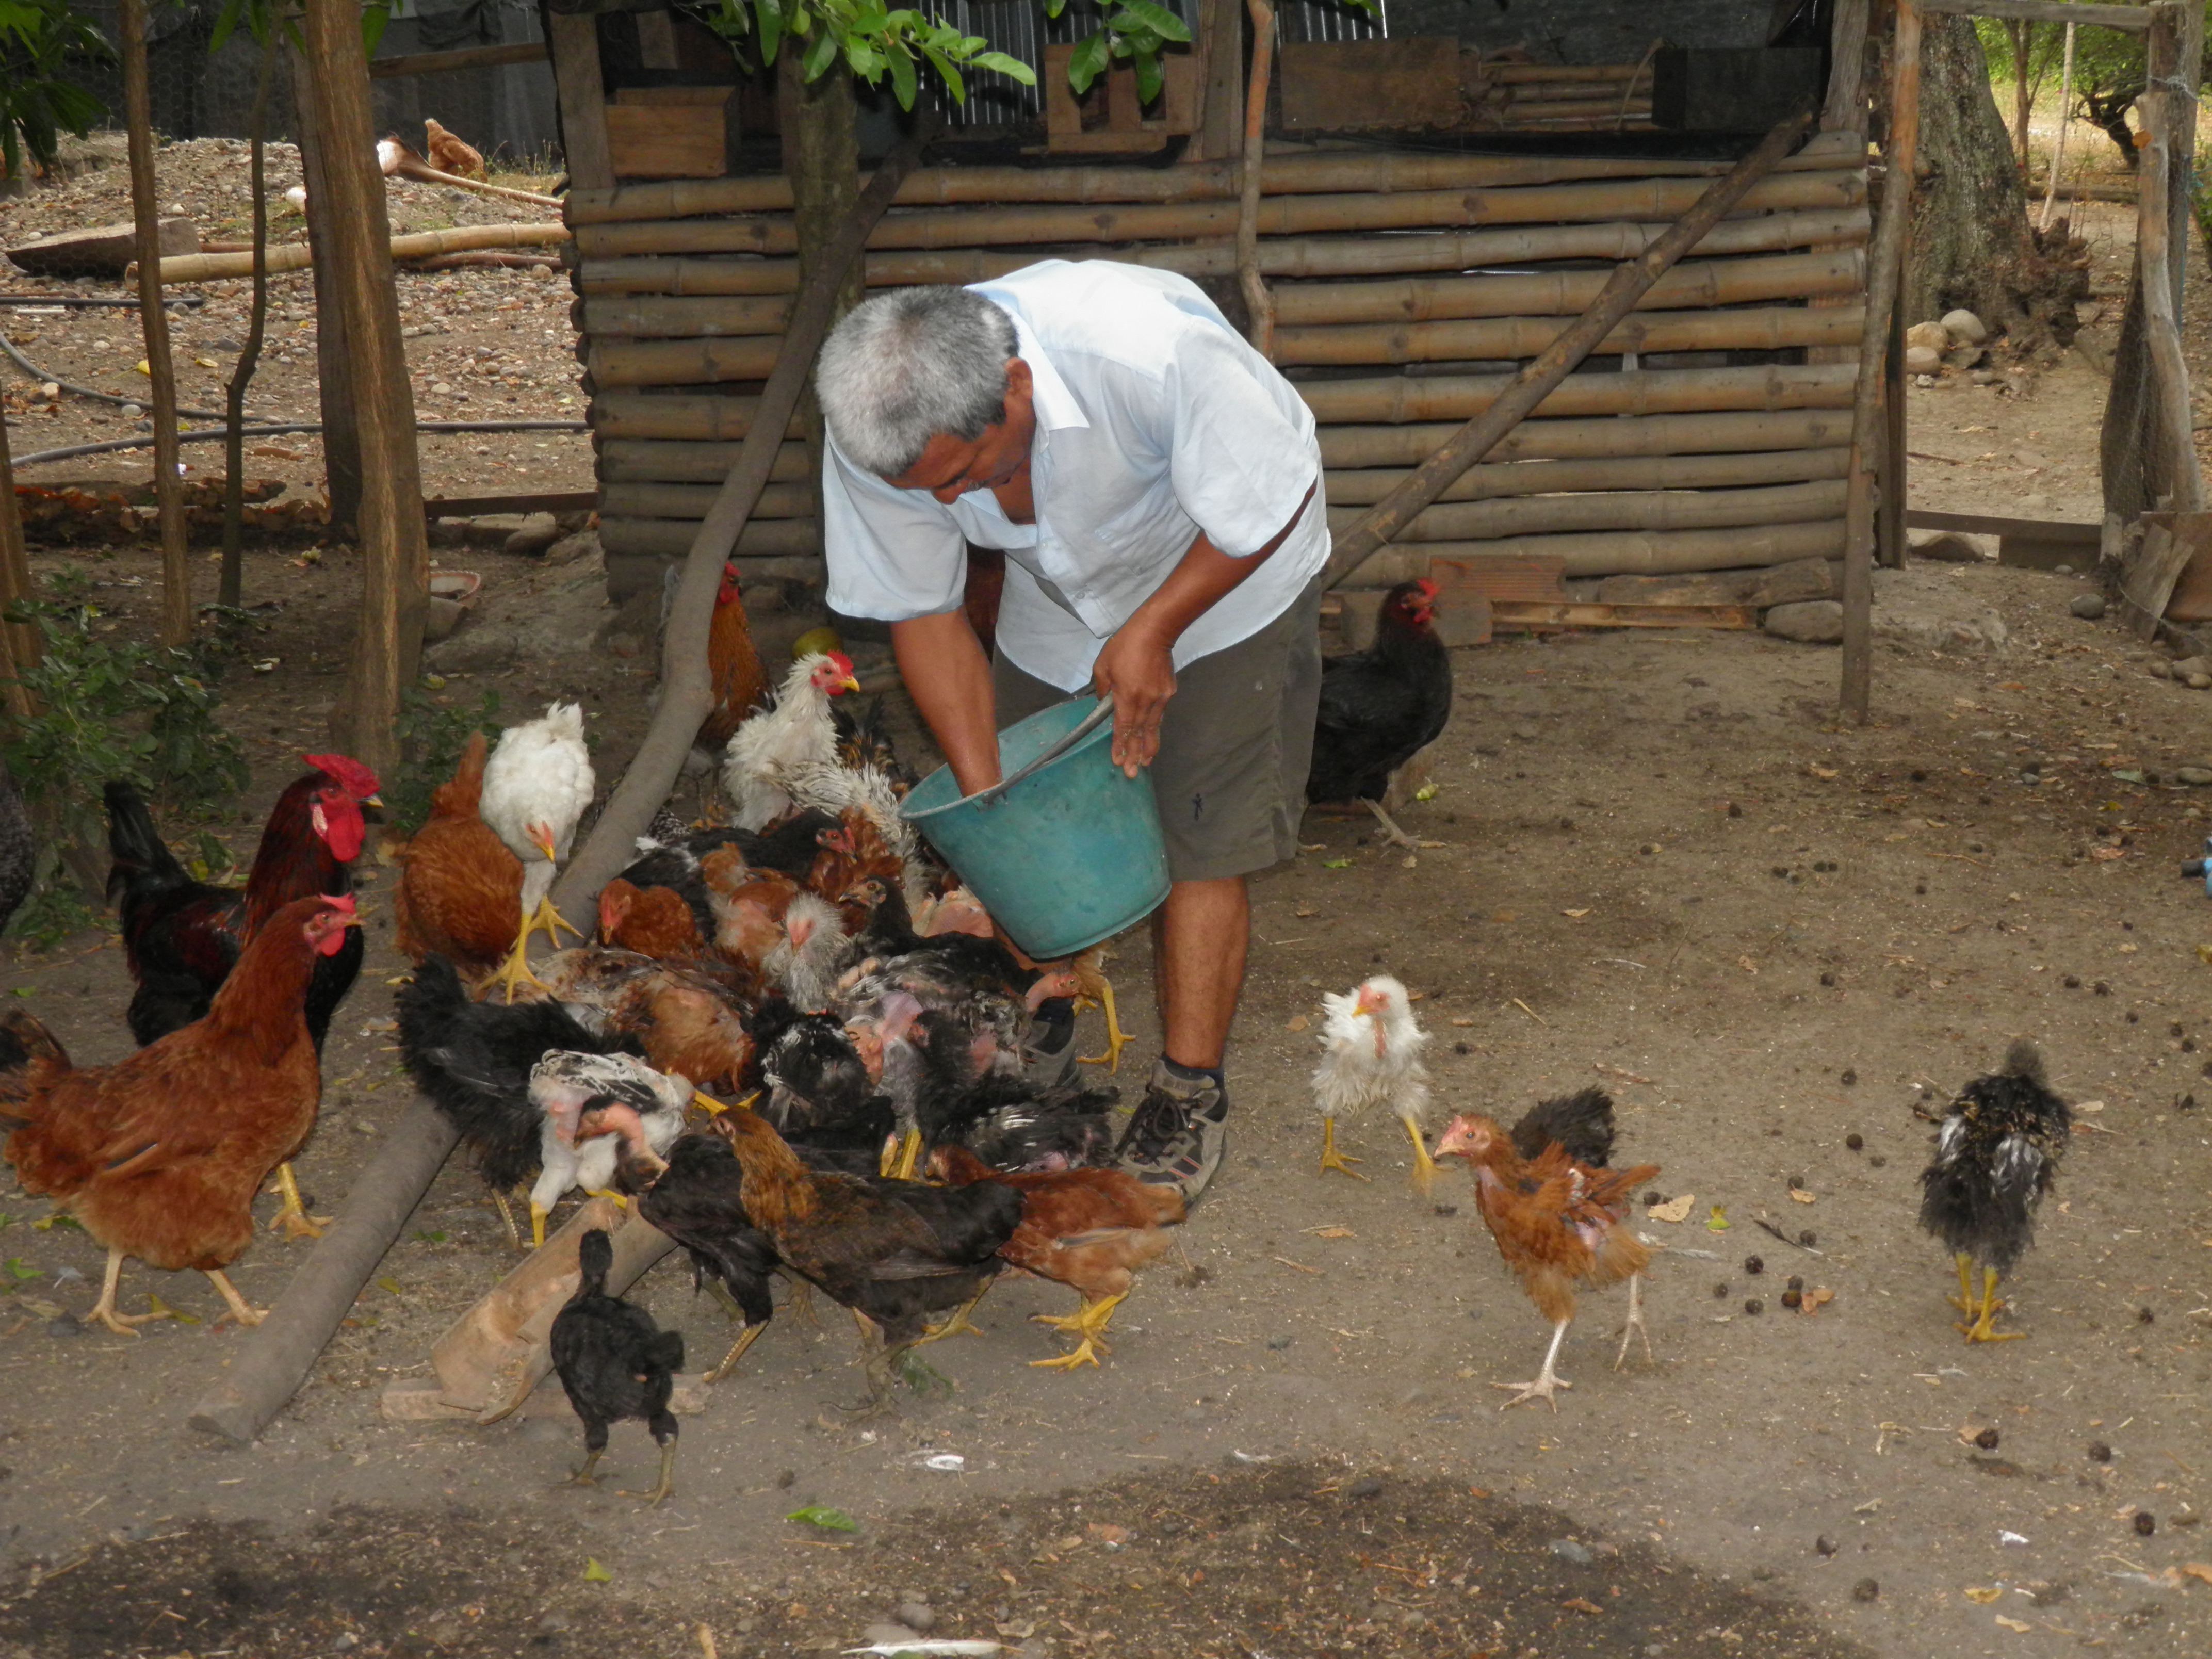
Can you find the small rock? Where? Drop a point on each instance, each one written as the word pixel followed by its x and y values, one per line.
pixel 2198 681
pixel 1810 622
pixel 2062 569
pixel 2088 606
pixel 552 1622
pixel 1933 337
pixel 1572 1549
pixel 1921 360
pixel 2198 776
pixel 1525 734
pixel 539 530
pixel 1825 1544
pixel 917 1616
pixel 1414 1619
pixel 2185 666
pixel 1277 1344
pixel 888 1635
pixel 1950 547
pixel 1367 1485
pixel 569 549
pixel 1865 1590
pixel 1981 377
pixel 347 1642
pixel 1964 326
pixel 2159 669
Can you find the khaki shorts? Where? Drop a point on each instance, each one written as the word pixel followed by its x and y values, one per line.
pixel 1236 742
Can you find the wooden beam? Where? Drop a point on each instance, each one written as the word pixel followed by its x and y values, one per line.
pixel 2129 20
pixel 1552 613
pixel 542 501
pixel 467 58
pixel 1982 523
pixel 579 85
pixel 1869 430
pixel 1845 109
pixel 1380 523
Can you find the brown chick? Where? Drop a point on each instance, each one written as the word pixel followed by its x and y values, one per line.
pixel 854 853
pixel 738 683
pixel 1090 1229
pixel 654 922
pixel 450 155
pixel 1560 1224
pixel 685 1021
pixel 460 889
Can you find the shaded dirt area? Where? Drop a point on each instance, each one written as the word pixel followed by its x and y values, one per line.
pixel 1290 1560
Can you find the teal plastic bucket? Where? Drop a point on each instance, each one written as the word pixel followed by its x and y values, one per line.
pixel 1070 855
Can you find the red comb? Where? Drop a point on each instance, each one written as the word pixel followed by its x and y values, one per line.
pixel 349 774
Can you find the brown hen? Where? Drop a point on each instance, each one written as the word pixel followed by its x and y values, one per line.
pixel 460 889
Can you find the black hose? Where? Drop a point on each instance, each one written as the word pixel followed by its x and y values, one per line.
pixel 41 374
pixel 81 300
pixel 209 433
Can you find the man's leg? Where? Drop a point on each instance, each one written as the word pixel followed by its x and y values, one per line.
pixel 1199 938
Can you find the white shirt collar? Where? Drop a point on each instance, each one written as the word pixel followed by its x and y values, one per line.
pixel 1054 404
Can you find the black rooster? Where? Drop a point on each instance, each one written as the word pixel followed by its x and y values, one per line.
pixel 615 1363
pixel 1997 1155
pixel 1382 706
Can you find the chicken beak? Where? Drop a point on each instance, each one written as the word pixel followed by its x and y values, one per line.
pixel 708 1103
pixel 850 683
pixel 372 800
pixel 542 839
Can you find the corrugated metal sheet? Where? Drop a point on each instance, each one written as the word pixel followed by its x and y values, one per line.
pixel 1020 29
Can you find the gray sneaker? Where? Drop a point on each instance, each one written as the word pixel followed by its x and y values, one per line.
pixel 1177 1134
pixel 1048 1046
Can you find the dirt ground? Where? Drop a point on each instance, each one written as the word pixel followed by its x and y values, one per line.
pixel 1664 868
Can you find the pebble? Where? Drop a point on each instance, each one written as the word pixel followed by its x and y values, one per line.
pixel 2159 669
pixel 887 1635
pixel 1825 1544
pixel 1865 1590
pixel 64 1325
pixel 1572 1549
pixel 1921 360
pixel 1963 324
pixel 2088 606
pixel 1811 622
pixel 917 1616
pixel 1277 1344
pixel 1367 1485
pixel 2197 682
pixel 2198 775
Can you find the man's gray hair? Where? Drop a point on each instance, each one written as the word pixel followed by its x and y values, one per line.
pixel 906 366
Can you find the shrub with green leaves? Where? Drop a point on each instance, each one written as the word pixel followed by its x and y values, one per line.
pixel 37 102
pixel 111 708
pixel 432 731
pixel 873 41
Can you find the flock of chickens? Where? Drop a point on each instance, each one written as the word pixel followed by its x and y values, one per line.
pixel 875 1121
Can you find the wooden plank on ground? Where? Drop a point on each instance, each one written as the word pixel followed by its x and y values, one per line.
pixel 1983 524
pixel 542 501
pixel 2170 541
pixel 1537 614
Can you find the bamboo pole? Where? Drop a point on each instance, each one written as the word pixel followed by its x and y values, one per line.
pixel 1745 329
pixel 1541 380
pixel 775 539
pixel 694 317
pixel 1615 509
pixel 19 641
pixel 1304 256
pixel 2065 121
pixel 693 417
pixel 646 460
pixel 1509 75
pixel 1565 293
pixel 1259 309
pixel 1886 271
pixel 161 373
pixel 2129 20
pixel 664 500
pixel 1278 215
pixel 1317 174
pixel 1358 487
pixel 1619 552
pixel 415 244
pixel 1344 449
pixel 341 434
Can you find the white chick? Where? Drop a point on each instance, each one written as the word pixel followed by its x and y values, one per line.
pixel 1372 1055
pixel 597 1108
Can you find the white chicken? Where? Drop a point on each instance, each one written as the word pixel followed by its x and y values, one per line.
pixel 536 786
pixel 1372 1055
pixel 796 731
pixel 597 1108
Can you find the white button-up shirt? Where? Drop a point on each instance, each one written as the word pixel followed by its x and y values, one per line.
pixel 1155 421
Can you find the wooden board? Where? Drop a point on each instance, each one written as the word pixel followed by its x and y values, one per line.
pixel 1340 85
pixel 2171 542
pixel 658 141
pixel 1982 523
pixel 2191 598
pixel 1539 578
pixel 1535 613
pixel 542 501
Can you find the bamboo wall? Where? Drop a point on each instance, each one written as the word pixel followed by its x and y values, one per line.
pixel 1700 436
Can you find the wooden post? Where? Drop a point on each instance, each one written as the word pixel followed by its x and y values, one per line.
pixel 1890 541
pixel 341 434
pixel 146 213
pixel 574 39
pixel 1221 43
pixel 1845 109
pixel 1259 309
pixel 1360 541
pixel 394 543
pixel 19 643
pixel 1884 273
pixel 2065 120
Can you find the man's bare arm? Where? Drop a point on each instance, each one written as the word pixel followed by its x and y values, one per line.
pixel 949 678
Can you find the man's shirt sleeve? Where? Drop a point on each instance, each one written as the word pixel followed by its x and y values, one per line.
pixel 1239 461
pixel 893 555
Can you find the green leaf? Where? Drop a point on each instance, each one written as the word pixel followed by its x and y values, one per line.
pixel 1088 62
pixel 814 1515
pixel 1145 14
pixel 771 29
pixel 953 83
pixel 902 76
pixel 821 52
pixel 595 1573
pixel 1148 77
pixel 388 1282
pixel 429 1235
pixel 59 1218
pixel 1012 67
pixel 1336 864
pixel 20 1270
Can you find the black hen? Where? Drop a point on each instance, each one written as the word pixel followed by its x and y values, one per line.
pixel 473 1059
pixel 789 848
pixel 1997 1155
pixel 1581 1124
pixel 615 1363
pixel 1382 706
pixel 695 1202
pixel 18 850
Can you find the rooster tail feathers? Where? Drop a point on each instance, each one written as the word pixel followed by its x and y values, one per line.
pixel 1581 1124
pixel 142 859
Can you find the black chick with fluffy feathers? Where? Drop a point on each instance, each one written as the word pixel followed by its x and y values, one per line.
pixel 1381 706
pixel 615 1363
pixel 1997 1155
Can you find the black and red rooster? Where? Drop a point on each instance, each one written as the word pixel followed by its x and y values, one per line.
pixel 1382 706
pixel 182 937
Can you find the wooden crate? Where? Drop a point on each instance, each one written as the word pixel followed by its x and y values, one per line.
pixel 1108 119
pixel 670 133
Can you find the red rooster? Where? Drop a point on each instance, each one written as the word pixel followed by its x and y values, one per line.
pixel 1559 1217
pixel 182 937
pixel 160 1156
pixel 1382 706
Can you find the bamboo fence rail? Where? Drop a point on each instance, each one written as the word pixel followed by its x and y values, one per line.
pixel 1617 509
pixel 1739 330
pixel 1344 448
pixel 661 500
pixel 1360 487
pixel 794 541
pixel 647 460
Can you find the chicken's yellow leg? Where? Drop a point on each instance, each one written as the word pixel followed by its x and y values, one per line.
pixel 1979 1331
pixel 547 917
pixel 910 1158
pixel 537 1214
pixel 103 1310
pixel 506 1218
pixel 1092 1322
pixel 516 969
pixel 1963 1302
pixel 1424 1167
pixel 240 1309
pixel 751 1335
pixel 1332 1159
pixel 1096 984
pixel 667 1475
pixel 955 1322
pixel 293 1218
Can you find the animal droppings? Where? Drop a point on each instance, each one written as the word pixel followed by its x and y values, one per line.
pixel 1808 1239
pixel 2145 1523
pixel 1855 1142
pixel 1754 1307
pixel 1793 1299
pixel 2100 1452
pixel 1825 1544
pixel 1865 1590
pixel 1987 1440
pixel 1753 1264
pixel 1848 1077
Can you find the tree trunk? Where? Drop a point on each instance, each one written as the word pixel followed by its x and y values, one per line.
pixel 333 362
pixel 2021 34
pixel 160 372
pixel 231 585
pixel 395 552
pixel 1970 247
pixel 819 123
